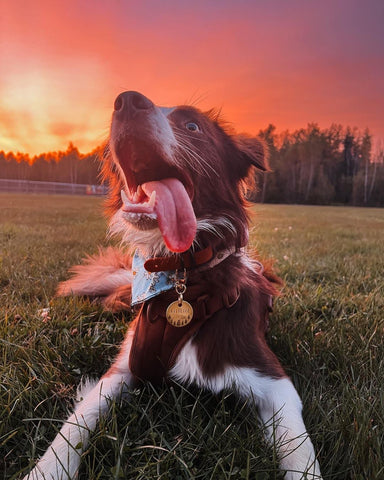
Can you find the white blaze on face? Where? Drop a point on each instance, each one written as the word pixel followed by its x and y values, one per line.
pixel 162 132
pixel 164 200
pixel 166 110
pixel 157 130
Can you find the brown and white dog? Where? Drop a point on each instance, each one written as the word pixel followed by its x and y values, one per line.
pixel 177 180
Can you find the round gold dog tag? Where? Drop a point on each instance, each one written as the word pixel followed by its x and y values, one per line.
pixel 179 313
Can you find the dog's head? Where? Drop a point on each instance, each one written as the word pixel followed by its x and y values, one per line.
pixel 176 176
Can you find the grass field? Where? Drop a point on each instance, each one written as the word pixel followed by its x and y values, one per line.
pixel 327 329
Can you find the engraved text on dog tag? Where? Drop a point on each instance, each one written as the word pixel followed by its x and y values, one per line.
pixel 179 313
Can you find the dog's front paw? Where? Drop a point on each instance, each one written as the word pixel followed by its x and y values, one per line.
pixel 51 471
pixel 38 474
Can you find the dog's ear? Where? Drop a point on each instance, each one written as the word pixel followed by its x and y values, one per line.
pixel 253 151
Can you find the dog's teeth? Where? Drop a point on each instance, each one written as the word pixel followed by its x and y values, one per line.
pixel 138 195
pixel 124 198
pixel 152 199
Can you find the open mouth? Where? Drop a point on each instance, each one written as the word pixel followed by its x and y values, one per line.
pixel 165 204
pixel 157 193
pixel 140 214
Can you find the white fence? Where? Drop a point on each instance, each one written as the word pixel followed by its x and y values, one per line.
pixel 30 186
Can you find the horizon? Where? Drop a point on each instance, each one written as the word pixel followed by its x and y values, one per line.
pixel 283 64
pixel 376 149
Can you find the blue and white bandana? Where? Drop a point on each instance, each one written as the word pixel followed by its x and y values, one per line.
pixel 146 285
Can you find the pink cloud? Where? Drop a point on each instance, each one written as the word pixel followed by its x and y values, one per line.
pixel 286 63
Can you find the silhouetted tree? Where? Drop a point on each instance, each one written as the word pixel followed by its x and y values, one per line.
pixel 310 165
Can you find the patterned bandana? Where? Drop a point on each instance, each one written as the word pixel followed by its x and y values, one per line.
pixel 145 284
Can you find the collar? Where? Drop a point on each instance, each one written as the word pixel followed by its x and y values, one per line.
pixel 186 260
pixel 201 260
pixel 153 276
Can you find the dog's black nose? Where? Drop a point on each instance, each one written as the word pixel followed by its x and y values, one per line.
pixel 130 102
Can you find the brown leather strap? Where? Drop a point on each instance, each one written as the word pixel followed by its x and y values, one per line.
pixel 186 260
pixel 156 343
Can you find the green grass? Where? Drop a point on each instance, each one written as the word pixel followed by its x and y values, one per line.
pixel 327 329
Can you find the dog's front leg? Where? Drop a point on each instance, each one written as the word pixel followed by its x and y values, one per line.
pixel 62 459
pixel 280 409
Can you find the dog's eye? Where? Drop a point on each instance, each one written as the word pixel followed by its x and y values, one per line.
pixel 192 127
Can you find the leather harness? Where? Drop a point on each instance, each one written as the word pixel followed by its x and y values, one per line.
pixel 156 343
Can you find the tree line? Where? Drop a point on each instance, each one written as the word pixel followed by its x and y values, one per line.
pixel 335 165
pixel 67 167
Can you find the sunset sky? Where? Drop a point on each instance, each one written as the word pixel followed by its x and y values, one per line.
pixel 287 62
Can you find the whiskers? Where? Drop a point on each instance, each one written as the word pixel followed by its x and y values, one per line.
pixel 190 156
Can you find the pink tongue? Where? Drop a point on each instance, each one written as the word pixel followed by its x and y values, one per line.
pixel 175 215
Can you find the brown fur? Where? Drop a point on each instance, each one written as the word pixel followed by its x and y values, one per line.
pixel 234 337
pixel 224 344
pixel 92 277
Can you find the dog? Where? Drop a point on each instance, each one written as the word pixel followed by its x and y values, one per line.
pixel 177 181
